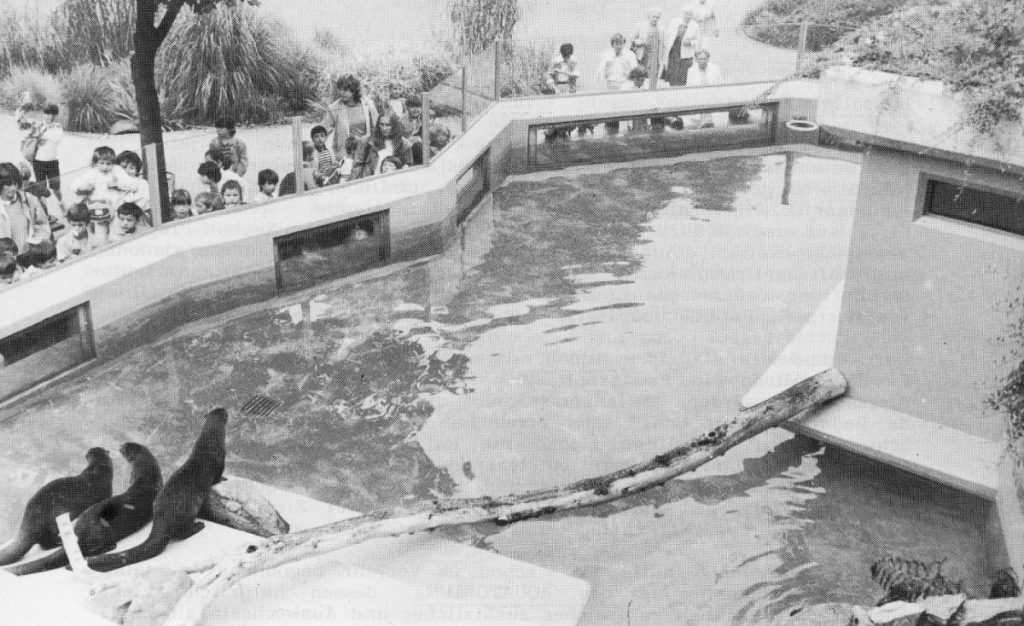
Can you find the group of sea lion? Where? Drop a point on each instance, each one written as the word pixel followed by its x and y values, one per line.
pixel 101 520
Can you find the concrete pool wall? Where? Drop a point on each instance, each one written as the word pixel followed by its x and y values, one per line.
pixel 139 290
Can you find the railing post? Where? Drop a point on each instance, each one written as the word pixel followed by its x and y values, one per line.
pixel 297 152
pixel 656 68
pixel 463 98
pixel 156 176
pixel 425 128
pixel 801 46
pixel 497 69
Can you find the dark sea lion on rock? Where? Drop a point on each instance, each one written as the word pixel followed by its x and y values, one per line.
pixel 103 524
pixel 178 503
pixel 71 495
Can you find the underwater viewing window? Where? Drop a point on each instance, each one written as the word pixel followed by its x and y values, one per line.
pixel 472 186
pixel 331 251
pixel 1002 211
pixel 663 134
pixel 44 350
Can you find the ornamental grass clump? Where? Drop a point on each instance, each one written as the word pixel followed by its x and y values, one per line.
pixel 27 39
pixel 90 98
pixel 41 86
pixel 95 31
pixel 236 62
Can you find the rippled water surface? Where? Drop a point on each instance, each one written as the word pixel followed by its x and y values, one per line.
pixel 586 321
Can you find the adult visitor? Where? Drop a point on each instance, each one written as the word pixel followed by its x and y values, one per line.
pixel 647 40
pixel 704 73
pixel 615 65
pixel 386 140
pixel 563 71
pixel 349 115
pixel 22 216
pixel 48 134
pixel 681 42
pixel 704 14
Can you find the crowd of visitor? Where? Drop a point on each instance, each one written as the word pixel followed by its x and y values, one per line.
pixel 109 202
pixel 357 137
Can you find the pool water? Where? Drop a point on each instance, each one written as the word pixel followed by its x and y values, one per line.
pixel 583 322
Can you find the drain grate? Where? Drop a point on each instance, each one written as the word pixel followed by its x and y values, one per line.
pixel 259 405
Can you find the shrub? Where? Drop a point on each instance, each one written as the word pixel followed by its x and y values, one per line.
pixel 95 31
pixel 980 53
pixel 42 86
pixel 776 22
pixel 524 66
pixel 476 24
pixel 233 61
pixel 91 99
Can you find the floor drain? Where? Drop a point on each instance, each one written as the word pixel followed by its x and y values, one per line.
pixel 260 405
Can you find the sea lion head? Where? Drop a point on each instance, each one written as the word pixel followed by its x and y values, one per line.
pixel 131 450
pixel 97 454
pixel 218 414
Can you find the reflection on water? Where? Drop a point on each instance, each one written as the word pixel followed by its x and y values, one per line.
pixel 581 324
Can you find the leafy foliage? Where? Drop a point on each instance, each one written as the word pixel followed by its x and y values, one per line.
pixel 909 580
pixel 979 54
pixel 233 61
pixel 524 66
pixel 476 24
pixel 27 39
pixel 776 22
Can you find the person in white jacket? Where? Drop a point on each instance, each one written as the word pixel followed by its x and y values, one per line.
pixel 46 164
pixel 682 39
pixel 704 73
pixel 615 65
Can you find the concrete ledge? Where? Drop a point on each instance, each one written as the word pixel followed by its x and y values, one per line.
pixel 937 452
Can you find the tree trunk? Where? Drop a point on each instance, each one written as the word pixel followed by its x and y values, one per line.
pixel 217 575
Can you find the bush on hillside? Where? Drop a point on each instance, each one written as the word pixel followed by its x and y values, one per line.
pixel 524 66
pixel 776 22
pixel 413 72
pixel 42 86
pixel 981 53
pixel 233 61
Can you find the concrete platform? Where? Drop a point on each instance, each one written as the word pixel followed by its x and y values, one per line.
pixel 943 454
pixel 418 579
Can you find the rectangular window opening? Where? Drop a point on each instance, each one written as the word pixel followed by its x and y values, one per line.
pixel 44 350
pixel 652 135
pixel 332 251
pixel 1002 211
pixel 472 186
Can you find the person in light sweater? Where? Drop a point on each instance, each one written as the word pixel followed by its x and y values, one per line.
pixel 615 65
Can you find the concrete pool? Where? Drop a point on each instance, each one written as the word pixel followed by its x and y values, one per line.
pixel 585 321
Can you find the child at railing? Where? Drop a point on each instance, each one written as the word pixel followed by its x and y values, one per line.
pixel 267 184
pixel 38 258
pixel 9 270
pixel 97 189
pixel 326 165
pixel 232 150
pixel 129 222
pixel 231 193
pixel 130 183
pixel 390 164
pixel 77 241
pixel 207 202
pixel 181 204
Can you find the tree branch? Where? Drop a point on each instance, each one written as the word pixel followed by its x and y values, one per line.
pixel 173 8
pixel 216 576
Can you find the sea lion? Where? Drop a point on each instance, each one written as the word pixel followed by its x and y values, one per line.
pixel 103 524
pixel 178 503
pixel 71 495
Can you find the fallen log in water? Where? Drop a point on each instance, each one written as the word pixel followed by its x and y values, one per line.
pixel 218 574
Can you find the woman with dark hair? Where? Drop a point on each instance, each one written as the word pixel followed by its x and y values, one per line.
pixel 349 115
pixel 387 139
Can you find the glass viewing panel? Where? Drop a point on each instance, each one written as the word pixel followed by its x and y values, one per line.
pixel 986 208
pixel 667 134
pixel 332 251
pixel 472 186
pixel 44 350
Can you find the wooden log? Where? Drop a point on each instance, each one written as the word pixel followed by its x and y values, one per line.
pixel 218 574
pixel 239 504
